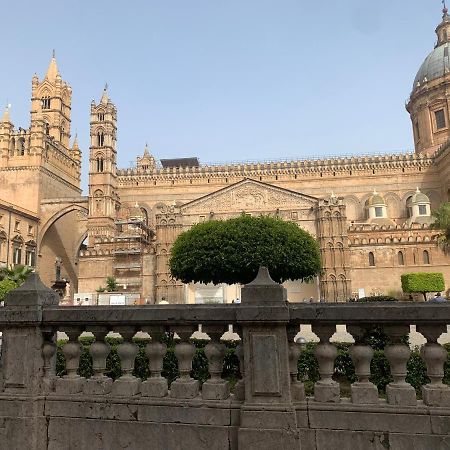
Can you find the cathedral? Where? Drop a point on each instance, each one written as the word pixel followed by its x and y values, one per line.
pixel 371 215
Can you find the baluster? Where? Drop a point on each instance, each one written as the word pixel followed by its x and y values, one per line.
pixel 155 385
pixel 434 393
pixel 71 383
pixel 297 387
pixel 239 388
pixel 399 392
pixel 99 350
pixel 362 391
pixel 126 385
pixel 326 389
pixel 184 386
pixel 48 354
pixel 215 388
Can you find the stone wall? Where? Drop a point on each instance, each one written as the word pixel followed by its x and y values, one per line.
pixel 266 409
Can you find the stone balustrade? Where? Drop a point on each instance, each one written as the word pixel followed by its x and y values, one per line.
pixel 266 409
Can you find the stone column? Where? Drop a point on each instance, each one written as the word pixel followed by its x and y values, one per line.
pixel 99 383
pixel 215 388
pixel 126 385
pixel 434 393
pixel 24 364
pixel 268 418
pixel 363 391
pixel 398 392
pixel 297 387
pixel 326 389
pixel 184 386
pixel 155 385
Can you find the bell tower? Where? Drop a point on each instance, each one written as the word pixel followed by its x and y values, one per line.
pixel 51 102
pixel 103 197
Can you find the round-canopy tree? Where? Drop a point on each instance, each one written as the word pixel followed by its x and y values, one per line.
pixel 231 251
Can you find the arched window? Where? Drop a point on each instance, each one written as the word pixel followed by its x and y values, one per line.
pixel 426 257
pixel 47 128
pixel 46 102
pixel 100 165
pixel 371 259
pixel 100 139
pixel 401 259
pixel 101 116
pixel 12 146
pixel 21 150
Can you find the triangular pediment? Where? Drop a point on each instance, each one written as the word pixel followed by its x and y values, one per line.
pixel 249 195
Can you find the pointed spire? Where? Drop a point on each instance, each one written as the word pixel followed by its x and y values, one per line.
pixel 52 71
pixel 75 143
pixel 146 151
pixel 105 97
pixel 444 10
pixel 6 118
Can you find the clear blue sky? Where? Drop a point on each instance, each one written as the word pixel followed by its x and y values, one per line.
pixel 227 80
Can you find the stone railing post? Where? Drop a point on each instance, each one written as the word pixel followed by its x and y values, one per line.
pixel 127 385
pixel 398 392
pixel 156 385
pixel 326 389
pixel 184 386
pixel 26 361
pixel 215 388
pixel 99 350
pixel 268 418
pixel 297 387
pixel 362 391
pixel 71 383
pixel 434 393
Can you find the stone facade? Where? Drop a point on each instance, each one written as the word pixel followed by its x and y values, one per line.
pixel 370 214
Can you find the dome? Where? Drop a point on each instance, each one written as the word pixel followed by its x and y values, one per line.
pixel 136 212
pixel 375 200
pixel 436 65
pixel 419 197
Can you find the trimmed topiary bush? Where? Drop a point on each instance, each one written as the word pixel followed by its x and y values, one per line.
pixel 231 251
pixel 423 282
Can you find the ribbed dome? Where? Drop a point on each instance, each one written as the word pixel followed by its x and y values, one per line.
pixel 436 65
pixel 136 212
pixel 420 197
pixel 375 200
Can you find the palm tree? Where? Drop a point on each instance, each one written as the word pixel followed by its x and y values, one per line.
pixel 18 273
pixel 442 223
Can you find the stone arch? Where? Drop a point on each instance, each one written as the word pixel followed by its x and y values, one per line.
pixel 353 208
pixel 61 236
pixel 394 205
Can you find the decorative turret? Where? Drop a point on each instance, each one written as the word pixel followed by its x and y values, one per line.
pixel 443 29
pixel 377 210
pixel 76 152
pixel 6 128
pixel 419 209
pixel 147 161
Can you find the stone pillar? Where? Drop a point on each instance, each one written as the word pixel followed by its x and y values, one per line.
pixel 326 389
pixel 215 388
pixel 184 386
pixel 399 392
pixel 363 391
pixel 297 387
pixel 156 385
pixel 26 361
pixel 126 385
pixel 434 393
pixel 268 418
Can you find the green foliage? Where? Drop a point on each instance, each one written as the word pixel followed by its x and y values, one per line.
pixel 231 251
pixel 100 289
pixel 442 222
pixel 111 284
pixel 6 286
pixel 18 273
pixel 423 282
pixel 377 298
